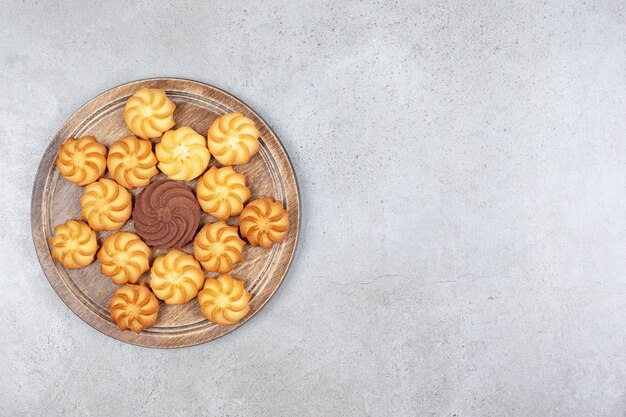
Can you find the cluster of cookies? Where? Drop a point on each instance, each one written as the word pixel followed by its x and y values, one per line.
pixel 166 213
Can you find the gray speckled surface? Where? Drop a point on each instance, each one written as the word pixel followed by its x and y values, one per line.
pixel 463 175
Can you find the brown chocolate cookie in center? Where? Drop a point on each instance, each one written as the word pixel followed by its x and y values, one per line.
pixel 166 214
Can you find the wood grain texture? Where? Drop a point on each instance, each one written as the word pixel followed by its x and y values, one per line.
pixel 55 200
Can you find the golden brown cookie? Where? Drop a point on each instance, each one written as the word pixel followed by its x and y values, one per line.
pixel 221 192
pixel 224 300
pixel 74 244
pixel 106 205
pixel 264 222
pixel 134 307
pixel 83 160
pixel 149 113
pixel 218 247
pixel 176 277
pixel 124 257
pixel 233 139
pixel 131 162
pixel 182 154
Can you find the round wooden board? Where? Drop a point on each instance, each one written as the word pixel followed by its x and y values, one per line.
pixel 55 200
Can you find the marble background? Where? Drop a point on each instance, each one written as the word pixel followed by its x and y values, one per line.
pixel 462 166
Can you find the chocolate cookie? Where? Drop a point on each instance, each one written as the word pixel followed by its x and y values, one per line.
pixel 166 214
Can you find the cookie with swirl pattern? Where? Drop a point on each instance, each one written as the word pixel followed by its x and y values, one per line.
pixel 224 300
pixel 82 161
pixel 106 205
pixel 74 244
pixel 166 214
pixel 183 154
pixel 222 192
pixel 233 139
pixel 218 247
pixel 131 162
pixel 134 307
pixel 176 277
pixel 124 257
pixel 149 112
pixel 264 222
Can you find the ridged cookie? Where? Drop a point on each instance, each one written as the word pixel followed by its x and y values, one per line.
pixel 182 154
pixel 149 112
pixel 106 205
pixel 176 277
pixel 82 161
pixel 74 244
pixel 124 257
pixel 224 300
pixel 264 222
pixel 131 162
pixel 222 192
pixel 134 307
pixel 233 139
pixel 217 247
pixel 166 214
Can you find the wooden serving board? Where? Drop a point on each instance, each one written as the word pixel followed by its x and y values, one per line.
pixel 55 200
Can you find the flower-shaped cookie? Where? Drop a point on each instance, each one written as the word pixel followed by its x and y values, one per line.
pixel 166 214
pixel 131 162
pixel 182 154
pixel 134 307
pixel 83 160
pixel 176 277
pixel 149 113
pixel 74 244
pixel 222 192
pixel 124 257
pixel 233 139
pixel 224 300
pixel 264 222
pixel 106 205
pixel 218 247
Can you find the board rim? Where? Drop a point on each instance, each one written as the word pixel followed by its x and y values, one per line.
pixel 57 283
